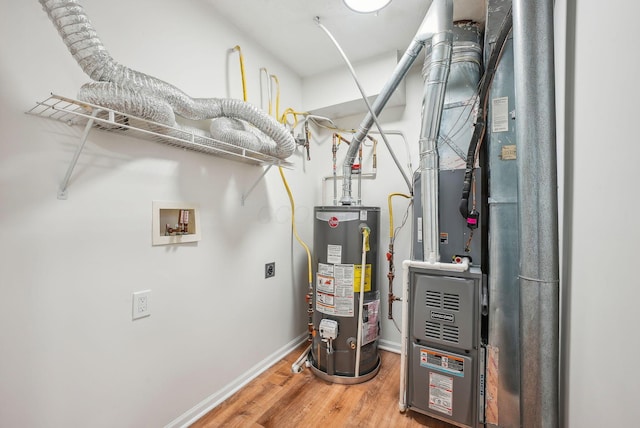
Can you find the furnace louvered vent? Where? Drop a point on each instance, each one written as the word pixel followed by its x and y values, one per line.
pixel 451 302
pixel 448 301
pixel 451 333
pixel 443 332
pixel 432 330
pixel 433 299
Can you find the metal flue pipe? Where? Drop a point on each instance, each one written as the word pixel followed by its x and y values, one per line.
pixel 538 212
pixel 437 20
pixel 435 73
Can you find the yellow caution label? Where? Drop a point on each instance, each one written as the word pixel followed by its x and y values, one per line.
pixel 357 277
pixel 366 240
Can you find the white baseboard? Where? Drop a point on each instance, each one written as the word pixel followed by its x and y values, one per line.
pixel 387 345
pixel 216 398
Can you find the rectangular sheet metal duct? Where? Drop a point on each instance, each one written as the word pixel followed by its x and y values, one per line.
pixel 503 350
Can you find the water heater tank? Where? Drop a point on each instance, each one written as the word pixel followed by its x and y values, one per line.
pixel 338 243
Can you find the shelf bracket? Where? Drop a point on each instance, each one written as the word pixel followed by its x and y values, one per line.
pixel 62 191
pixel 246 195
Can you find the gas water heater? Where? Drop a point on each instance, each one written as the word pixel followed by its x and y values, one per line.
pixel 346 317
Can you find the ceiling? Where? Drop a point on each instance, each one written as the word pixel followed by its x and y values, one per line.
pixel 287 28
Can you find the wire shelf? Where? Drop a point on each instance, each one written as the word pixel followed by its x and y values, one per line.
pixel 79 113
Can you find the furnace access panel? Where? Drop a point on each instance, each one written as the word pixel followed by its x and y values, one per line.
pixel 446 359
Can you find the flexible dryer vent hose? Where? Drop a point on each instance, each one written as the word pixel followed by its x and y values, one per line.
pixel 121 88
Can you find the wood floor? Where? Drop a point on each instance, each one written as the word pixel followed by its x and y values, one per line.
pixel 281 399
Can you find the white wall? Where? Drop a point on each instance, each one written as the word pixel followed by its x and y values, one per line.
pixel 344 98
pixel 71 354
pixel 601 285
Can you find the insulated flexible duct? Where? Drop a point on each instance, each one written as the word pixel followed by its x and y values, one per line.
pixel 132 92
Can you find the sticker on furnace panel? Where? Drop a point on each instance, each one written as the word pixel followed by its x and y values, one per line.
pixel 443 362
pixel 441 393
pixel 444 238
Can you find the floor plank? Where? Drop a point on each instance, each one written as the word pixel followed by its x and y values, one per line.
pixel 281 399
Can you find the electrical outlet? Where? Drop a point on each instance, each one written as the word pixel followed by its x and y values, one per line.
pixel 270 270
pixel 141 304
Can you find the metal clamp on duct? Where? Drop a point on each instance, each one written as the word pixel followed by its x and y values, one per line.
pixel 123 89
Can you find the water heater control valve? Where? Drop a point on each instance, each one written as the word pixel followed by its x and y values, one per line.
pixel 328 329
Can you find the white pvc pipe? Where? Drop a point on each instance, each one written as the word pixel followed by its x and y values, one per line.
pixel 296 367
pixel 402 404
pixel 404 351
pixel 361 301
pixel 451 267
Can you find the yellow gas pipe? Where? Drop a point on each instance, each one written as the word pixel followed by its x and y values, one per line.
pixel 391 274
pixel 286 185
pixel 244 81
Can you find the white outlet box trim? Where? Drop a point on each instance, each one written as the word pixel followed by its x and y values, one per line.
pixel 157 229
pixel 141 304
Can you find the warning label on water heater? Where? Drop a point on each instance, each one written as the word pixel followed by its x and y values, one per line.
pixel 334 253
pixel 357 277
pixel 334 292
pixel 370 321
